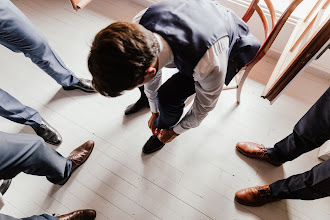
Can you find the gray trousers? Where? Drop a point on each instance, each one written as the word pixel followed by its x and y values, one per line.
pixel 35 217
pixel 18 34
pixel 30 154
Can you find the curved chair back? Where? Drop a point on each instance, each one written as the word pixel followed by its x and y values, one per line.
pixel 270 33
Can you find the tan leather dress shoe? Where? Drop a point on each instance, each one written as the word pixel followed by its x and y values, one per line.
pixel 78 157
pixel 255 196
pixel 254 150
pixel 86 214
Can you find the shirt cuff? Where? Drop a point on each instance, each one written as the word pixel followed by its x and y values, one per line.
pixel 179 130
pixel 153 107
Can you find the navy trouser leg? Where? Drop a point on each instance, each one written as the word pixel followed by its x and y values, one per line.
pixel 313 184
pixel 19 35
pixel 30 154
pixel 171 96
pixel 312 130
pixel 35 217
pixel 14 110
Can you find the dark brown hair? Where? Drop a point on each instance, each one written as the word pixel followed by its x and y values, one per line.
pixel 119 57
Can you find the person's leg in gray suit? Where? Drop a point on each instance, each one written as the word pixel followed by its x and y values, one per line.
pixel 14 110
pixel 85 214
pixel 34 217
pixel 29 154
pixel 18 34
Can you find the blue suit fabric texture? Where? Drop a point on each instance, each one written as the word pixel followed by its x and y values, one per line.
pixel 35 217
pixel 19 35
pixel 191 27
pixel 311 131
pixel 30 154
pixel 24 152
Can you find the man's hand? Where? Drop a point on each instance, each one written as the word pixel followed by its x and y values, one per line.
pixel 167 135
pixel 151 122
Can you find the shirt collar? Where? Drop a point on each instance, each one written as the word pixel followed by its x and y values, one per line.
pixel 165 56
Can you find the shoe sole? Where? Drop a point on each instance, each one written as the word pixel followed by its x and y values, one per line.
pixel 4 187
pixel 248 204
pixel 68 88
pixel 242 202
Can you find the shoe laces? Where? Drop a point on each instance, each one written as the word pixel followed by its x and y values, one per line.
pixel 263 149
pixel 77 158
pixel 263 191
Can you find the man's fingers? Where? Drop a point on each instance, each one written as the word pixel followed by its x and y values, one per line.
pixel 162 136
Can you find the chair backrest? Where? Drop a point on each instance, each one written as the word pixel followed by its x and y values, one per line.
pixel 270 33
pixel 255 7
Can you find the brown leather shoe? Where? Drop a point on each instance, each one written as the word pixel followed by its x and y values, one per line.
pixel 254 150
pixel 255 196
pixel 86 214
pixel 78 157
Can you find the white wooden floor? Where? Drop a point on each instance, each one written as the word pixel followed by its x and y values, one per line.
pixel 195 177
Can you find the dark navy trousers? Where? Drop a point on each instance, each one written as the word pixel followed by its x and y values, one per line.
pixel 19 35
pixel 30 154
pixel 312 130
pixel 170 99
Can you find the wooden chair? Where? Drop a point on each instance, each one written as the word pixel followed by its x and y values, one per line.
pixel 270 36
pixel 310 38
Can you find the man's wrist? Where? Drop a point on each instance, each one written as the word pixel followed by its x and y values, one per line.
pixel 155 114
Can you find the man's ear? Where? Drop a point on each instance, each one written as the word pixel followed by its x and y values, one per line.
pixel 150 71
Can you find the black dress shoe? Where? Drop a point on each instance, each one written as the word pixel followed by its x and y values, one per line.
pixel 48 133
pixel 4 185
pixel 152 145
pixel 78 157
pixel 83 84
pixel 137 106
pixel 86 214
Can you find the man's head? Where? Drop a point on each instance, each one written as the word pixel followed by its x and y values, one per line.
pixel 121 57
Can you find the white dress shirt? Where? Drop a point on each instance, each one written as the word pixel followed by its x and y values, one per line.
pixel 209 76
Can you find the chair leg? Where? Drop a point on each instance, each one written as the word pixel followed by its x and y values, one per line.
pixel 240 84
pixel 238 94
